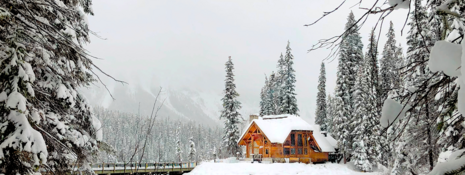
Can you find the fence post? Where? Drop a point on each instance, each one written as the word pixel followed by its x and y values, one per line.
pixel 114 167
pixel 103 166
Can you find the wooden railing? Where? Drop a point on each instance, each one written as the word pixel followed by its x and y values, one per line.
pixel 109 168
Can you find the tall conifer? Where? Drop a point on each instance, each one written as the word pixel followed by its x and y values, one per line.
pixel 289 100
pixel 230 112
pixel 320 114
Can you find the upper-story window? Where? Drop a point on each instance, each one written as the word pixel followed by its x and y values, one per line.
pixel 305 139
pixel 292 140
pixel 299 140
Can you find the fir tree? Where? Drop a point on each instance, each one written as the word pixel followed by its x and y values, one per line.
pixel 320 114
pixel 390 83
pixel 43 65
pixel 360 155
pixel 289 101
pixel 230 112
pixel 192 151
pixel 350 57
pixel 270 107
pixel 178 145
pixel 264 97
pixel 389 77
pixel 278 85
pixel 372 99
pixel 366 115
pixel 330 112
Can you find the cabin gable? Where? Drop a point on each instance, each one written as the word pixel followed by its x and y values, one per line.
pixel 281 137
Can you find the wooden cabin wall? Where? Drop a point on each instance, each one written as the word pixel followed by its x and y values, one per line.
pixel 301 149
pixel 296 145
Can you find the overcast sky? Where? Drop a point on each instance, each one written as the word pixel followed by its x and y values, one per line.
pixel 184 44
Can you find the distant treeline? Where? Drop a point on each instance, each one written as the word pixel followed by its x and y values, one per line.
pixel 123 130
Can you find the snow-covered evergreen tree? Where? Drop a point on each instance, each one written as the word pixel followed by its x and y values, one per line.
pixel 372 99
pixel 192 150
pixel 360 156
pixel 365 115
pixel 361 114
pixel 230 112
pixel 320 114
pixel 389 76
pixel 45 122
pixel 330 111
pixel 288 104
pixel 270 105
pixel 350 58
pixel 390 83
pixel 178 145
pixel 264 97
pixel 278 84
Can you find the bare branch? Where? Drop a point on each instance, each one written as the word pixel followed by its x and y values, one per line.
pixel 325 14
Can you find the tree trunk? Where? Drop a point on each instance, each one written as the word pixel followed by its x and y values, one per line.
pixel 430 149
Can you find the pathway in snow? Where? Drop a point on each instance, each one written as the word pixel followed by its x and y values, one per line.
pixel 247 168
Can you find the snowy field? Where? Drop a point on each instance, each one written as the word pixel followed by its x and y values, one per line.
pixel 247 168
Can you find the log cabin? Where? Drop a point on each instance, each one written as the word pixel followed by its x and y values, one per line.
pixel 281 137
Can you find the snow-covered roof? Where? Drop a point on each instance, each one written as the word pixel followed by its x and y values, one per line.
pixel 277 129
pixel 326 143
pixel 275 116
pixel 331 140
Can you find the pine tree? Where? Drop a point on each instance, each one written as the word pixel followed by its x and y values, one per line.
pixel 320 114
pixel 192 151
pixel 264 97
pixel 366 115
pixel 43 65
pixel 230 112
pixel 278 92
pixel 178 145
pixel 360 155
pixel 270 107
pixel 389 77
pixel 390 83
pixel 330 112
pixel 361 116
pixel 350 57
pixel 289 101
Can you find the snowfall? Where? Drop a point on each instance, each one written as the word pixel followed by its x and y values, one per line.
pixel 248 168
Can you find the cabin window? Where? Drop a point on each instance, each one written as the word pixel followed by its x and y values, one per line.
pixel 305 150
pixel 292 151
pixel 266 142
pixel 292 140
pixel 286 151
pixel 299 139
pixel 266 151
pixel 299 151
pixel 305 139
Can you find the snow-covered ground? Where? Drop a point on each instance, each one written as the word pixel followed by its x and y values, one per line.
pixel 247 168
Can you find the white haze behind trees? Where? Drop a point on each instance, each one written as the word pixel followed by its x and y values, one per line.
pixel 181 46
